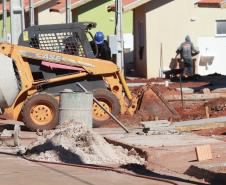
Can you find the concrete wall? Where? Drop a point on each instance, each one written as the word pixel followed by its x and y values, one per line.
pixel 212 55
pixel 168 22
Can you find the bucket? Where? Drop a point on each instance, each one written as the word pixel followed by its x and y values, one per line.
pixel 76 106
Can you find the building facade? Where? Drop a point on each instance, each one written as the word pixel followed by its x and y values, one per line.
pixel 53 12
pixel 160 27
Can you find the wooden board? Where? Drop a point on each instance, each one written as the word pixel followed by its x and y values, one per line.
pixel 188 128
pixel 203 152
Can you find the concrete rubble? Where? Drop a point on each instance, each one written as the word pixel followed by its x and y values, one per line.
pixel 76 143
pixel 159 127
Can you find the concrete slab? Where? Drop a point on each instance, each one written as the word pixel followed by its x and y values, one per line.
pixel 155 140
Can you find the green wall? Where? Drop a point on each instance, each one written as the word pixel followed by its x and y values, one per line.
pixel 96 11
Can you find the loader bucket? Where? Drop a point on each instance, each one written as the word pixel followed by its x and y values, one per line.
pixel 156 106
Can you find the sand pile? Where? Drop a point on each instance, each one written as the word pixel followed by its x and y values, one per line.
pixel 76 143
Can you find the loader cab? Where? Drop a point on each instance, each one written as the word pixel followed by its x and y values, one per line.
pixel 69 39
pixel 63 38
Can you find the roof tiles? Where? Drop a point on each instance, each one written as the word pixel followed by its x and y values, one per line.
pixel 26 4
pixel 210 1
pixel 60 5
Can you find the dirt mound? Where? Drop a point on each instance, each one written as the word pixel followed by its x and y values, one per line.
pixel 217 105
pixel 76 143
pixel 191 110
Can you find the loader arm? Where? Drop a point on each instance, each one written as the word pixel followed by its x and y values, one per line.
pixel 91 66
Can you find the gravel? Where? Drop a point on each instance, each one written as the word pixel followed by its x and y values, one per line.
pixel 76 143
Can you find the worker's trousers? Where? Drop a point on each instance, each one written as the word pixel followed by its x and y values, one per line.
pixel 188 66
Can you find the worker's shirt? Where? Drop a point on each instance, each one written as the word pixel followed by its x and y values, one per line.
pixel 186 49
pixel 104 51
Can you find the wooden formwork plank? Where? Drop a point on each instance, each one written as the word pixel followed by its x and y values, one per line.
pixel 203 152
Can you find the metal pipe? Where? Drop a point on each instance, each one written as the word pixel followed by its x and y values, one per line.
pixel 68 12
pixel 31 13
pixel 181 91
pixel 110 114
pixel 4 31
pixel 119 34
pixel 17 19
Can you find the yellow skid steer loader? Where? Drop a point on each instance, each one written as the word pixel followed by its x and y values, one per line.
pixel 42 65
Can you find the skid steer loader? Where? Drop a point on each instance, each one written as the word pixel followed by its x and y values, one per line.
pixel 49 59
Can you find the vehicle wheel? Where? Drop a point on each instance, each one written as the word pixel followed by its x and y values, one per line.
pixel 40 112
pixel 107 100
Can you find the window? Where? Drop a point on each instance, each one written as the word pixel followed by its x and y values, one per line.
pixel 221 27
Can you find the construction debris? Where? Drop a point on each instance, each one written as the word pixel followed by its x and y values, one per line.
pixel 189 128
pixel 151 124
pixel 217 105
pixel 200 124
pixel 159 127
pixel 76 143
pixel 6 133
pixel 164 127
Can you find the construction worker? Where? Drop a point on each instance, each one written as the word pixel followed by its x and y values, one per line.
pixel 100 47
pixel 186 51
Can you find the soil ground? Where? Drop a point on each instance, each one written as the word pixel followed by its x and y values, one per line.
pixel 169 156
pixel 192 110
pixel 163 158
pixel 18 171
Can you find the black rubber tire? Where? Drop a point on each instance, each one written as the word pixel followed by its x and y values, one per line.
pixel 104 94
pixel 42 99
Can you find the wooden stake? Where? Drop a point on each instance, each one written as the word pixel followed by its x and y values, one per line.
pixel 207 112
